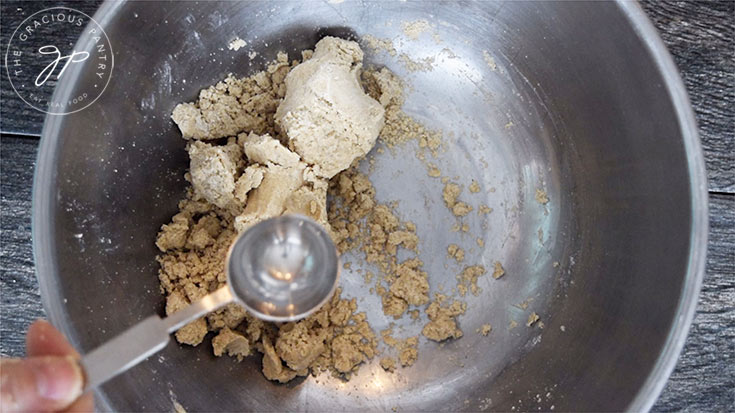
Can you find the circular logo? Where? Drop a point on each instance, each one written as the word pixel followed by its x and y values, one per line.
pixel 44 48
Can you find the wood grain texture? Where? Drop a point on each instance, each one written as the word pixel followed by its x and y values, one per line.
pixel 701 38
pixel 704 378
pixel 20 302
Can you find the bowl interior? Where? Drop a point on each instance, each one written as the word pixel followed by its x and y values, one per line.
pixel 558 96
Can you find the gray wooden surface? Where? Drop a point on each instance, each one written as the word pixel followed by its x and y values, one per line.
pixel 700 37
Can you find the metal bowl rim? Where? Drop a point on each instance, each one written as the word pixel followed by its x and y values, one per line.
pixel 657 378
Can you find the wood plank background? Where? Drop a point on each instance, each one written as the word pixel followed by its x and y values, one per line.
pixel 700 37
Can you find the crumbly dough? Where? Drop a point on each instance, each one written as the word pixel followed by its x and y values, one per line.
pixel 231 342
pixel 450 194
pixel 443 322
pixel 533 318
pixel 498 270
pixel 235 105
pixel 474 187
pixel 249 163
pixel 273 368
pixel 433 171
pixel 399 128
pixel 192 333
pixel 410 352
pixel 454 251
pixel 378 44
pixel 411 283
pixel 541 197
pixel 359 222
pixel 485 329
pixel 278 142
pixel 414 29
pixel 467 279
pixel 237 44
pixel 388 364
pixel 328 122
pixel 417 65
pixel 407 349
pixel 212 170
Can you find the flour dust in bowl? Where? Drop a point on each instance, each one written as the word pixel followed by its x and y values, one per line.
pixel 539 183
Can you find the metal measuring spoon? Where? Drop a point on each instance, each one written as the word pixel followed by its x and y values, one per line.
pixel 282 269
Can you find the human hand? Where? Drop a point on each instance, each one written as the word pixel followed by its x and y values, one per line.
pixel 49 379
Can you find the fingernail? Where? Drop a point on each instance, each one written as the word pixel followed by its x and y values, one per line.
pixel 57 378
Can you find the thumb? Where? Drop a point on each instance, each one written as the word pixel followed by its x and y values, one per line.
pixel 39 383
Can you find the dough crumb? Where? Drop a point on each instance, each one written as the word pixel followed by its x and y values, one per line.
pixel 409 352
pixel 454 251
pixel 524 305
pixel 450 194
pixel 425 64
pixel 213 172
pixel 467 279
pixel 388 364
pixel 411 284
pixel 443 323
pixel 532 319
pixel 498 270
pixel 489 60
pixel 378 44
pixel 474 187
pixel 273 369
pixel 461 209
pixel 485 329
pixel 434 171
pixel 236 44
pixel 233 343
pixel 407 349
pixel 541 197
pixel 414 29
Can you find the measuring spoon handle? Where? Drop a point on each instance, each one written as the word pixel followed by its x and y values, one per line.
pixel 145 339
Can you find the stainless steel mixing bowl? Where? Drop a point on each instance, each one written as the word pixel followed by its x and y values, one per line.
pixel 578 99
